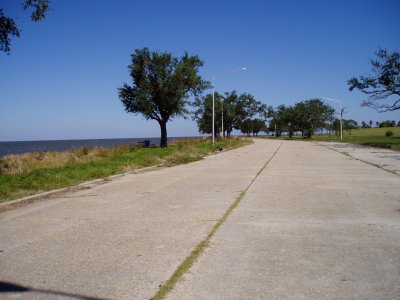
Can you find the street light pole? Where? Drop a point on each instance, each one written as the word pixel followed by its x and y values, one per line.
pixel 213 112
pixel 341 120
pixel 222 119
pixel 213 100
pixel 340 113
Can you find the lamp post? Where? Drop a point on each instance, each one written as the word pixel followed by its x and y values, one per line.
pixel 340 113
pixel 213 99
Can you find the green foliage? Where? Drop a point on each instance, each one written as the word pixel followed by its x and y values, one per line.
pixel 8 27
pixel 349 125
pixel 252 126
pixel 161 86
pixel 388 123
pixel 257 126
pixel 203 114
pixel 375 137
pixel 231 110
pixel 384 82
pixel 305 117
pixel 389 133
pixel 41 8
pixel 246 126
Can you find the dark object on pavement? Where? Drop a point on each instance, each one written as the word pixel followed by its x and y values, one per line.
pixel 219 149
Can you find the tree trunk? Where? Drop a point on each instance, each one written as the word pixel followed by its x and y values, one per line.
pixel 163 141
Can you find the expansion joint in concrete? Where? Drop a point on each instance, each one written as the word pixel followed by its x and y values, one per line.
pixel 187 263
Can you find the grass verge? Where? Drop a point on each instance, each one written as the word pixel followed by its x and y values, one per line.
pixel 194 255
pixel 28 174
pixel 374 137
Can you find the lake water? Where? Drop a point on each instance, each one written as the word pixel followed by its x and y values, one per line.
pixel 65 145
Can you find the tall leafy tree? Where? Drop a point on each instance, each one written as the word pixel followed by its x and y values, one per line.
pixel 203 114
pixel 277 124
pixel 161 86
pixel 257 126
pixel 330 119
pixel 349 125
pixel 246 126
pixel 8 27
pixel 238 108
pixel 383 83
pixel 231 108
pixel 336 127
pixel 306 117
pixel 312 115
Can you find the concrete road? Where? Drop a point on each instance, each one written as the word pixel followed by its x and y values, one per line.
pixel 314 224
pixel 120 240
pixel 383 158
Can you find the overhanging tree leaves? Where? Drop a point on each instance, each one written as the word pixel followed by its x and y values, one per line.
pixel 384 82
pixel 8 28
pixel 161 86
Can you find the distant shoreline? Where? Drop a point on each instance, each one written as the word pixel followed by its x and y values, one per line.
pixel 20 147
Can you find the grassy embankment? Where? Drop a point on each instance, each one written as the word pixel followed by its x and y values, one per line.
pixel 374 137
pixel 31 173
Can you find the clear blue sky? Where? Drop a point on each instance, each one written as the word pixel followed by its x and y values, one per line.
pixel 60 80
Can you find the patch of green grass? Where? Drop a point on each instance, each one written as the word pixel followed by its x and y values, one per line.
pixel 13 186
pixel 375 137
pixel 374 131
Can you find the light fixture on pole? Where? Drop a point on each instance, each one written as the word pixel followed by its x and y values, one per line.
pixel 213 98
pixel 340 113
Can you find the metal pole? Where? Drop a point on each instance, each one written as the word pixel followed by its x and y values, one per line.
pixel 213 125
pixel 213 99
pixel 341 122
pixel 340 114
pixel 222 118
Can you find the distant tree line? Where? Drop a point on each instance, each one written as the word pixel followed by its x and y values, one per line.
pixel 232 111
pixel 161 85
pixel 387 123
pixel 244 113
pixel 305 117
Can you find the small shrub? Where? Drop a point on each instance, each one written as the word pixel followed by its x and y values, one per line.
pixel 184 142
pixel 14 164
pixel 100 152
pixel 120 149
pixel 83 151
pixel 134 147
pixel 38 155
pixel 389 133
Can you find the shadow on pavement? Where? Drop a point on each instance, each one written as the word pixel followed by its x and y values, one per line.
pixel 8 287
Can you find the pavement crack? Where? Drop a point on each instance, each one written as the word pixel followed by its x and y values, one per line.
pixel 187 263
pixel 364 161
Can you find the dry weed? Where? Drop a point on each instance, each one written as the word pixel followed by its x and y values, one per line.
pixel 27 162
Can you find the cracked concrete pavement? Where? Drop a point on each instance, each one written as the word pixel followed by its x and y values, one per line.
pixel 384 158
pixel 315 224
